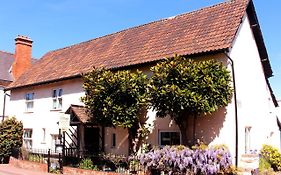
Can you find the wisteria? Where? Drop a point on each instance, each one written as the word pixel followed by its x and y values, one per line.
pixel 182 160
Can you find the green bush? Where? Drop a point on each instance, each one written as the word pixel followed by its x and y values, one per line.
pixel 11 132
pixel 272 156
pixel 264 165
pixel 87 164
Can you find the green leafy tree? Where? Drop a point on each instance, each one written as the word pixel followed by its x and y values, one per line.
pixel 11 132
pixel 182 88
pixel 116 99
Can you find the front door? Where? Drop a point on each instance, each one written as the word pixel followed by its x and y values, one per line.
pixel 92 139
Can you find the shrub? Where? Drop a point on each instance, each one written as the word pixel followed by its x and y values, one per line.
pixel 182 160
pixel 87 164
pixel 36 158
pixel 11 132
pixel 272 156
pixel 114 161
pixel 264 165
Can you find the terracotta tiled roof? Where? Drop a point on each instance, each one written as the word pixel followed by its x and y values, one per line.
pixel 79 112
pixel 208 29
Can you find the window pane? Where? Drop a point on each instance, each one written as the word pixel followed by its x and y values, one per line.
pixel 54 93
pixel 165 138
pixel 54 103
pixel 169 138
pixel 175 138
pixel 29 105
pixel 31 96
pixel 27 144
pixel 60 103
pixel 60 92
pixel 27 133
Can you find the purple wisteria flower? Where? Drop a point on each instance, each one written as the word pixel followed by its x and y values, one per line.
pixel 182 160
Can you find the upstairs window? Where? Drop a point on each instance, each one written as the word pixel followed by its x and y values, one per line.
pixel 57 99
pixel 29 102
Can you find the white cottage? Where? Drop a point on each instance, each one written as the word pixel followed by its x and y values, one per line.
pixel 228 32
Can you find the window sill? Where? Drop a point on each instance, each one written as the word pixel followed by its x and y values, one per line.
pixel 54 110
pixel 28 112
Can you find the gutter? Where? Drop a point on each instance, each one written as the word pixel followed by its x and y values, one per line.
pixel 235 106
pixel 43 82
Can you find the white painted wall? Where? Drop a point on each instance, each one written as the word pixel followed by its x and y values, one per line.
pixel 42 115
pixel 1 101
pixel 255 106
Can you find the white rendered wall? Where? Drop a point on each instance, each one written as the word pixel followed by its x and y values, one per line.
pixel 255 106
pixel 42 115
pixel 1 101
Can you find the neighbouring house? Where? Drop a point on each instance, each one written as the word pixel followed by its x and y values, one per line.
pixel 11 67
pixel 228 32
pixel 6 61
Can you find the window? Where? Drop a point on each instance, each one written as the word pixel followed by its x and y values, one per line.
pixel 44 135
pixel 55 140
pixel 29 102
pixel 27 138
pixel 247 139
pixel 169 138
pixel 113 140
pixel 57 99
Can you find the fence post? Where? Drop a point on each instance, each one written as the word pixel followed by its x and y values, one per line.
pixel 49 162
pixel 61 163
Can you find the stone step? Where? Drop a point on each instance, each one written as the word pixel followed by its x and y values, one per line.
pixel 248 162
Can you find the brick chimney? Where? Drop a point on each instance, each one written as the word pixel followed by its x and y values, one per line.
pixel 22 56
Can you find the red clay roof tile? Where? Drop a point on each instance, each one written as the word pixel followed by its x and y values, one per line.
pixel 208 29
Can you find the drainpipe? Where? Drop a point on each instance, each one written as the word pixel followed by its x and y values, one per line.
pixel 235 106
pixel 4 104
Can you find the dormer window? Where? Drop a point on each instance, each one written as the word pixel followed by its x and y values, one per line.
pixel 57 99
pixel 29 102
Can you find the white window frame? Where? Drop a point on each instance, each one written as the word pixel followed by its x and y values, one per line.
pixel 29 102
pixel 57 99
pixel 27 138
pixel 170 131
pixel 247 139
pixel 54 141
pixel 44 136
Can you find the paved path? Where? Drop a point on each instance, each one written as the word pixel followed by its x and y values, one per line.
pixel 6 169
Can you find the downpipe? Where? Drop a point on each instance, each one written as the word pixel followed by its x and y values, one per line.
pixel 235 106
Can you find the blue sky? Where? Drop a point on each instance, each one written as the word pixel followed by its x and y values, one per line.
pixel 54 24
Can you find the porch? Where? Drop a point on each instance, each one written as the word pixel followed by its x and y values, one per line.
pixel 83 138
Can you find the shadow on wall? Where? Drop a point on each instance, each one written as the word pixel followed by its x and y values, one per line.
pixel 208 127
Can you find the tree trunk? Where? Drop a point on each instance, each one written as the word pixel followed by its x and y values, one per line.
pixel 130 140
pixel 194 129
pixel 182 124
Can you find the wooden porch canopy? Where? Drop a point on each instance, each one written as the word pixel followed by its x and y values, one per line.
pixel 78 115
